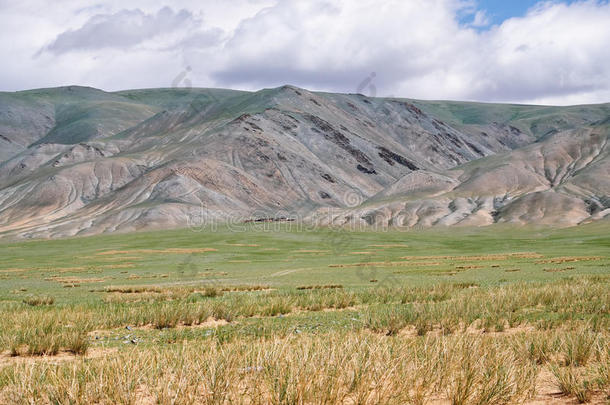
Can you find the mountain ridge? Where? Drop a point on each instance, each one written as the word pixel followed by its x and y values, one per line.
pixel 78 161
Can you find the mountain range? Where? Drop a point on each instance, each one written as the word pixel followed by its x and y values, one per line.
pixel 81 161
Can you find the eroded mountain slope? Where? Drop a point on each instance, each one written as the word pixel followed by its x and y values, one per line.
pixel 87 161
pixel 561 180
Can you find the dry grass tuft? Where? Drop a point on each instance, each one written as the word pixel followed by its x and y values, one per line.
pixel 320 287
pixel 39 300
pixel 569 259
pixel 571 381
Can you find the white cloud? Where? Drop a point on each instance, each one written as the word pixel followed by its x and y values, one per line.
pixel 555 54
pixel 123 29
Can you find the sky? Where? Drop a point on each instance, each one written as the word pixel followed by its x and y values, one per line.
pixel 519 51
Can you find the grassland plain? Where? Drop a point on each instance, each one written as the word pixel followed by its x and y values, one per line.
pixel 273 313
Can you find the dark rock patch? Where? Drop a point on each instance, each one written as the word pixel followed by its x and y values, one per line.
pixel 453 139
pixel 438 125
pixel 241 118
pixel 261 142
pixel 254 126
pixel 337 138
pixel 292 118
pixel 369 124
pixel 474 148
pixel 366 170
pixel 285 121
pixel 593 205
pixel 514 130
pixel 328 177
pixel 409 107
pixel 391 157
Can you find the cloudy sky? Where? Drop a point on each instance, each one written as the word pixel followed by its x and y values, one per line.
pixel 550 52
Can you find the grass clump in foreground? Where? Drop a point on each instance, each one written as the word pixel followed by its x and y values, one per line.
pixel 332 368
pixel 394 345
pixel 309 333
pixel 46 339
pixel 35 301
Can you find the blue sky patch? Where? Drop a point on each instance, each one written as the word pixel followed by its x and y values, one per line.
pixel 497 11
